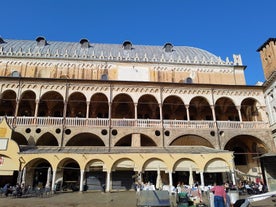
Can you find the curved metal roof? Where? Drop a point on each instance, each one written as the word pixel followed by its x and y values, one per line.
pixel 116 52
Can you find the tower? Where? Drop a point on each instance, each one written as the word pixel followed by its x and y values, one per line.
pixel 268 57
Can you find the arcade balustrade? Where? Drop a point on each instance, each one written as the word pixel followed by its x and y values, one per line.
pixel 142 123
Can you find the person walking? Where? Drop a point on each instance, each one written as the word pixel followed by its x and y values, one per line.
pixel 219 195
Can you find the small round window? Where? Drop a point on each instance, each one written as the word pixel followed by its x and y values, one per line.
pixel 189 80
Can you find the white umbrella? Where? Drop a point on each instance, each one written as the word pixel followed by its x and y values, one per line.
pixel 48 178
pixel 191 179
pixel 158 180
pixel 23 176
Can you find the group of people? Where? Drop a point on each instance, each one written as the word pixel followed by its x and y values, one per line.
pixel 14 190
pixel 251 187
pixel 145 186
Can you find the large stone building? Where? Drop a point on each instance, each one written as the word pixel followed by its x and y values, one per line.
pixel 88 114
pixel 268 57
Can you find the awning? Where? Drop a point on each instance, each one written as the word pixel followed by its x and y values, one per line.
pixel 217 166
pixel 6 172
pixel 246 175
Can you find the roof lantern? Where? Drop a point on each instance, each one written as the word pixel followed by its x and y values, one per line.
pixel 168 47
pixel 84 43
pixel 127 45
pixel 41 41
pixel 1 40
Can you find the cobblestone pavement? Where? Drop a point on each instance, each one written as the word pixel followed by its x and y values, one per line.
pixel 77 199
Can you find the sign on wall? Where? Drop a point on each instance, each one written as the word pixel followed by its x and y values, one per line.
pixel 3 143
pixel 133 73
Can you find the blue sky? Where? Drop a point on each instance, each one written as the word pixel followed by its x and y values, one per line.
pixel 222 27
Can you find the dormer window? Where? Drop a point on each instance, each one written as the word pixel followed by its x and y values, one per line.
pixel 84 43
pixel 1 40
pixel 41 41
pixel 127 45
pixel 168 47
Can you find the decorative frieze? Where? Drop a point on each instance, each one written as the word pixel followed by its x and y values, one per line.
pixel 235 92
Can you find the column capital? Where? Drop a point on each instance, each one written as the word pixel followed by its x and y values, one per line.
pixel 238 107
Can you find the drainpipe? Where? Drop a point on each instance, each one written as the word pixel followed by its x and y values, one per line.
pixel 67 85
pixel 161 116
pixel 216 123
pixel 109 116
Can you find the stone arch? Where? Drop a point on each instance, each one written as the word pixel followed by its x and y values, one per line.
pixel 147 141
pixel 123 174
pixel 95 164
pixel 95 175
pixel 214 169
pixel 174 108
pixel 8 103
pixel 122 106
pixel 76 105
pixel 245 148
pixel 191 140
pixel 47 139
pixel 127 140
pixel 250 110
pixel 148 107
pixel 85 139
pixel 200 109
pixel 99 107
pixel 226 110
pixel 184 164
pixel 123 163
pixel 153 164
pixel 51 104
pixel 68 174
pixel 151 168
pixel 217 165
pixel 27 104
pixel 36 172
pixel 19 138
pixel 185 171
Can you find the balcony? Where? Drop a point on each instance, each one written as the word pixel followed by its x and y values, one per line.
pixel 141 123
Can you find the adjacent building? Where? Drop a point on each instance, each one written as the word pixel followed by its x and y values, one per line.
pixel 84 115
pixel 267 53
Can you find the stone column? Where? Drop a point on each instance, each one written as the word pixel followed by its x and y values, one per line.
pixel 161 112
pixel 135 112
pixel 239 111
pixel 213 112
pixel 16 107
pixel 170 181
pixel 81 180
pixel 87 108
pixel 233 176
pixel 202 179
pixel 141 177
pixel 54 180
pixel 36 108
pixel 187 111
pixel 107 186
pixel 109 110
